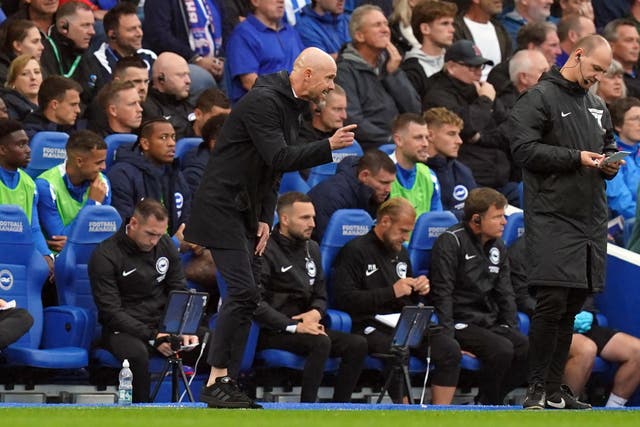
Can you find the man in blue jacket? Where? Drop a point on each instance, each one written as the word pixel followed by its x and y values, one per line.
pixel 323 24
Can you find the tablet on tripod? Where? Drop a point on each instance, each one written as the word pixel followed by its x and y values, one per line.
pixel 411 325
pixel 183 312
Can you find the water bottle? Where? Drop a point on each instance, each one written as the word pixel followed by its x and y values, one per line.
pixel 125 384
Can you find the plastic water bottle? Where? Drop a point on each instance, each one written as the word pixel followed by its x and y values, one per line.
pixel 125 384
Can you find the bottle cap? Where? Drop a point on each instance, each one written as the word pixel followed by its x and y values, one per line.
pixel 125 363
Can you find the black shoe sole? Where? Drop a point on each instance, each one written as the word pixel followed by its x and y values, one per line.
pixel 533 407
pixel 215 403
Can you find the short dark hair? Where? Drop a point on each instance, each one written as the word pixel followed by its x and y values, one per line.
pixel 212 127
pixel 83 141
pixel 480 200
pixel 8 126
pixel 619 108
pixel 373 160
pixel 428 11
pixel 289 198
pixel 533 32
pixel 70 9
pixel 403 120
pixel 147 207
pixel 111 20
pixel 126 62
pixel 146 128
pixel 212 97
pixel 55 87
pixel 394 207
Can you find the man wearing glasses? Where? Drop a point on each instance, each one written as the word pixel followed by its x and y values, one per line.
pixel 459 89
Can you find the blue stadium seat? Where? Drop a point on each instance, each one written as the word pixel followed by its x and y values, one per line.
pixel 513 229
pixel 321 172
pixel 54 341
pixel 184 145
pixel 292 181
pixel 387 148
pixel 48 149
pixel 353 150
pixel 344 225
pixel 429 226
pixel 116 140
pixel 92 225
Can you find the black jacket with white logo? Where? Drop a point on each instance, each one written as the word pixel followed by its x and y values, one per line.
pixel 130 287
pixel 291 281
pixel 471 283
pixel 365 271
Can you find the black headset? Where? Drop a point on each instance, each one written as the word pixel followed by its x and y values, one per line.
pixel 161 77
pixel 65 25
pixel 477 219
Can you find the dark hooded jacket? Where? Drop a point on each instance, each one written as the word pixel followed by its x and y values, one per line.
pixel 566 215
pixel 18 106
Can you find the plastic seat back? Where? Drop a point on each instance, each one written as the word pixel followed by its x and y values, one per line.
pixel 48 149
pixel 429 226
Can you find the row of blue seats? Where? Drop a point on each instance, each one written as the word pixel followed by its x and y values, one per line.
pixel 48 149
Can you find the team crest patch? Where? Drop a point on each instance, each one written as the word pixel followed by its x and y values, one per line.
pixel 162 265
pixel 311 268
pixel 6 280
pixel 460 193
pixel 597 114
pixel 494 255
pixel 401 270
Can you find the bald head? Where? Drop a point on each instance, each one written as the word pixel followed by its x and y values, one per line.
pixel 313 74
pixel 170 74
pixel 589 60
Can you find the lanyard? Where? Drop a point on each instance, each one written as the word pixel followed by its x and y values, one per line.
pixel 73 67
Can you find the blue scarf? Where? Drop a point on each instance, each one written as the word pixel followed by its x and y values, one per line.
pixel 205 26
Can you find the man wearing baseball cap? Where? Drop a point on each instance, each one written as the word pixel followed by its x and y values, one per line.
pixel 459 89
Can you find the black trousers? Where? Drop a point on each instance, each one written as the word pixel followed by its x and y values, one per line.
pixel 550 333
pixel 137 351
pixel 14 323
pixel 241 272
pixel 352 349
pixel 503 353
pixel 445 354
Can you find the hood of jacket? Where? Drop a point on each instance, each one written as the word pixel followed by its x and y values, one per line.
pixel 279 83
pixel 556 78
pixel 348 168
pixel 349 53
pixel 423 58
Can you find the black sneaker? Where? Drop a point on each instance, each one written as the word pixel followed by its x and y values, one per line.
pixel 535 397
pixel 224 393
pixel 564 399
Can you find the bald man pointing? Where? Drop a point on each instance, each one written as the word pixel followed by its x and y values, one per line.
pixel 233 208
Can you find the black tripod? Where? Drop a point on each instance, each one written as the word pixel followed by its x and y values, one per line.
pixel 177 369
pixel 399 361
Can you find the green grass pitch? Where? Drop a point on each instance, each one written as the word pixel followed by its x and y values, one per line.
pixel 197 417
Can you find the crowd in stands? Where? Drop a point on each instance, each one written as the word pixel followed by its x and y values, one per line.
pixel 430 85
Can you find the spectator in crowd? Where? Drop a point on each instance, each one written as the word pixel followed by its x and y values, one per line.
pixel 571 29
pixel 622 190
pixel 589 339
pixel 525 12
pixel 326 117
pixel 21 89
pixel 4 111
pixel 67 188
pixel 294 301
pixel 256 145
pixel 124 38
pixel 131 274
pixel 211 102
pixel 40 12
pixel 458 88
pixel 66 49
pixel 481 25
pixel 607 11
pixel 194 32
pixel 16 187
pixel 402 35
pixel 14 323
pixel 432 22
pixel 540 36
pixel 195 160
pixel 455 178
pixel 564 269
pixel 414 181
pixel 59 107
pixel 624 40
pixel 611 85
pixel 323 24
pixel 576 7
pixel 121 104
pixel 235 11
pixel 18 37
pixel 359 183
pixel 374 276
pixel 133 69
pixel 474 298
pixel 169 94
pixel 147 169
pixel 368 70
pixel 261 44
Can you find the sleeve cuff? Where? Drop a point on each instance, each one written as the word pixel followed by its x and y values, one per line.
pixel 291 329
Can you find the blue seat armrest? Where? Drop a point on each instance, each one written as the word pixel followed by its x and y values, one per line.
pixel 523 323
pixel 337 320
pixel 66 326
pixel 602 320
